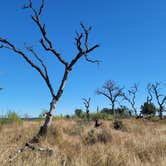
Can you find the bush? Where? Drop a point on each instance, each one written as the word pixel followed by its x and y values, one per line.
pixel 97 135
pixel 107 111
pixel 148 109
pixel 100 115
pixel 10 117
pixel 79 113
pixel 123 112
pixel 58 117
pixel 118 125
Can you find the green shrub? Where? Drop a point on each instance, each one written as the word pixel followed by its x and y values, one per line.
pixel 58 117
pixel 100 115
pixel 79 113
pixel 10 117
pixel 154 118
pixel 148 109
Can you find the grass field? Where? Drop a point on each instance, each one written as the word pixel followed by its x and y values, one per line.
pixel 139 143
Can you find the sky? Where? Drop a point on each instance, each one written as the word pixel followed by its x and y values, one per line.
pixel 132 39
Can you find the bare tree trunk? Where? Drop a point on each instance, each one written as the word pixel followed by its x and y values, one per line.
pixel 113 109
pixel 161 114
pixel 48 119
pixel 87 114
pixel 135 111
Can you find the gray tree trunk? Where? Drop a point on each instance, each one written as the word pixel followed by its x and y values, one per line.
pixel 48 119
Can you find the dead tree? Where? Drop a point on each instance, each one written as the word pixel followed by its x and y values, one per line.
pixel 87 105
pixel 83 50
pixel 112 92
pixel 130 97
pixel 160 98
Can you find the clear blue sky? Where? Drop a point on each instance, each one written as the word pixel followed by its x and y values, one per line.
pixel 132 38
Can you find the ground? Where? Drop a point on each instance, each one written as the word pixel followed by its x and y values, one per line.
pixel 76 143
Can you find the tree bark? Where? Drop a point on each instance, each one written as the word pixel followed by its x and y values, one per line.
pixel 87 114
pixel 113 109
pixel 161 114
pixel 48 119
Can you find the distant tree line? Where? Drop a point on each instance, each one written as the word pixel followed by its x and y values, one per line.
pixel 116 94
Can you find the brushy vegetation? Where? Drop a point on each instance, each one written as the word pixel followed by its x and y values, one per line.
pixel 77 143
pixel 118 125
pixel 10 118
pixel 94 136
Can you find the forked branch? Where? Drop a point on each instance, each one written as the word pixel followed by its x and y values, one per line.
pixel 36 18
pixel 8 45
pixel 131 97
pixel 86 102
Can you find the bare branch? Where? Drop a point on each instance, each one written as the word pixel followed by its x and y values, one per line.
pixel 36 19
pixel 78 42
pixel 37 57
pixel 87 105
pixel 86 31
pixel 91 49
pixel 111 91
pixel 150 96
pixel 92 61
pixel 86 102
pixel 161 99
pixel 99 92
pixel 44 67
pixel 41 8
pixel 131 96
pixel 83 51
pixel 10 46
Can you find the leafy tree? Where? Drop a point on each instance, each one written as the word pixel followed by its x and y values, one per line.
pixel 107 111
pixel 82 47
pixel 123 112
pixel 67 116
pixel 148 109
pixel 79 113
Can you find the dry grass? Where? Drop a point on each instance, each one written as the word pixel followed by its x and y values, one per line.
pixel 143 143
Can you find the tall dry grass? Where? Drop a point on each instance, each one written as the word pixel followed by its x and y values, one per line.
pixel 143 143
